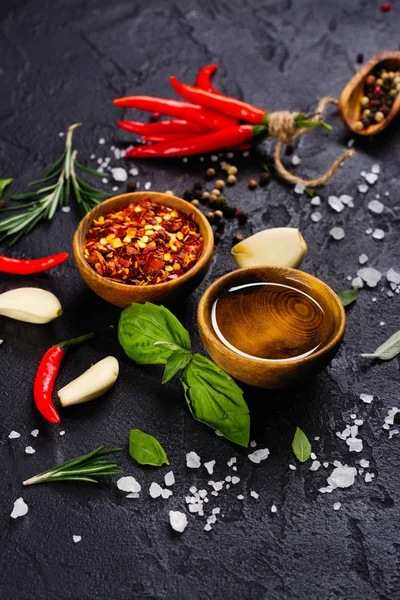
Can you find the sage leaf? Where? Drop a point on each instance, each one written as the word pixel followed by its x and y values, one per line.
pixel 3 184
pixel 177 361
pixel 215 399
pixel 141 328
pixel 146 450
pixel 388 349
pixel 348 296
pixel 301 446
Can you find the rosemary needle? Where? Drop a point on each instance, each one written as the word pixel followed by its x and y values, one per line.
pixel 84 468
pixel 60 182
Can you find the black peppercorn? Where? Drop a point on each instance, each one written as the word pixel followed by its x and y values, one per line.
pixel 197 186
pixel 360 58
pixel 237 238
pixel 229 211
pixel 396 418
pixel 188 194
pixel 221 225
pixel 131 185
pixel 196 203
pixel 264 178
pixel 242 217
pixel 210 216
pixel 217 236
pixel 197 194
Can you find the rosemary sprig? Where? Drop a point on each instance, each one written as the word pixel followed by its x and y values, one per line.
pixel 84 468
pixel 45 201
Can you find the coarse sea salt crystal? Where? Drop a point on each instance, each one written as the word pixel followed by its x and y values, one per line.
pixel 350 143
pixel 62 432
pixel 313 456
pixel 235 480
pixel 346 199
pixel 166 494
pixel 193 460
pixel 378 234
pixel 367 398
pixel 337 233
pixel 371 178
pixel 342 477
pixel 13 435
pixel 76 538
pixel 35 432
pixel 316 201
pixel 299 188
pixel 336 506
pixel 254 494
pixel 375 169
pixel 393 432
pixel 363 188
pixel 364 463
pixel 295 160
pixel 369 477
pixel 147 185
pixel 253 444
pixel 362 259
pixel 357 282
pixel 128 484
pixel 370 275
pixel 393 277
pixel 132 495
pixel 240 497
pixel 231 461
pixel 218 485
pixel 67 209
pixel 119 174
pixel 20 509
pixel 259 455
pixel 169 478
pixel 316 216
pixel 376 207
pixel 102 141
pixel 210 466
pixel 315 465
pixel 178 520
pixel 292 467
pixel 335 203
pixel 203 493
pixel 274 509
pixel 30 450
pixel 354 444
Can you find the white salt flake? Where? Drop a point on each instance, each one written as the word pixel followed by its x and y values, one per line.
pixel 62 432
pixel 367 398
pixel 193 460
pixel 66 209
pixel 317 438
pixel 178 520
pixel 357 282
pixel 393 432
pixel 393 277
pixel 363 188
pixel 369 477
pixel 102 141
pixel 362 259
pixel 92 157
pixel 254 494
pixel 119 174
pixel 371 178
pixel 228 478
pixel 326 465
pixel 259 455
pixel 240 497
pixel 155 490
pixel 35 432
pixel 369 230
pixel 295 160
pixel 313 456
pixel 115 188
pixel 378 234
pixel 370 275
pixel 364 463
pixel 132 495
pixel 316 216
pixel 354 444
pixel 76 538
pixel 274 509
pixel 147 185
pixel 342 477
pixel 346 199
pixel 253 444
pixel 337 233
pixel 376 207
pixel 203 493
pixel 207 527
pixel 359 422
pixel 299 188
pixel 335 203
pixel 315 465
pixel 292 467
pixel 216 510
pixel 218 485
pixel 30 450
pixel 13 435
pixel 61 134
pixel 375 169
pixel 232 461
pixel 235 480
pixel 210 466
pixel 353 416
pixel 128 484
pixel 20 509
pixel 315 201
pixel 350 143
pixel 169 478
pixel 336 506
pixel 166 493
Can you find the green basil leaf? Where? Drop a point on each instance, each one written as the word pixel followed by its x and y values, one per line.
pixel 301 446
pixel 141 326
pixel 146 450
pixel 215 399
pixel 388 349
pixel 3 184
pixel 348 296
pixel 177 361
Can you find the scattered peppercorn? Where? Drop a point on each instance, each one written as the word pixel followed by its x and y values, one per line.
pixel 232 170
pixel 210 173
pixel 220 201
pixel 131 185
pixel 205 196
pixel 188 194
pixel 155 116
pixel 360 58
pixel 229 211
pixel 231 179
pixel 380 90
pixel 197 194
pixel 169 192
pixel 197 186
pixel 264 178
pixel 220 184
pixel 252 184
pixel 242 217
pixel 196 203
pixel 221 225
pixel 237 238
pixel 217 236
pixel 218 214
pixel 210 216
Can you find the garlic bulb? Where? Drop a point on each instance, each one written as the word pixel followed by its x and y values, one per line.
pixel 93 383
pixel 32 305
pixel 279 247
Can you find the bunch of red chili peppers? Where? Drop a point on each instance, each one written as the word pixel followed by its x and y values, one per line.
pixel 209 121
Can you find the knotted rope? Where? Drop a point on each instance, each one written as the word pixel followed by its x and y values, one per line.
pixel 282 126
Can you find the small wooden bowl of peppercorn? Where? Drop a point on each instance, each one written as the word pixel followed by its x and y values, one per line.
pixel 371 99
pixel 143 247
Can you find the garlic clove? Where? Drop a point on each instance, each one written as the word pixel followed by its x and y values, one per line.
pixel 279 247
pixel 93 383
pixel 32 305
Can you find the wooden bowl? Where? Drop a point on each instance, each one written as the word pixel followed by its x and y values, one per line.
pixel 349 101
pixel 123 294
pixel 243 326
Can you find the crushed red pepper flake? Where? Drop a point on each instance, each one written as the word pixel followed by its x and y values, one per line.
pixel 143 244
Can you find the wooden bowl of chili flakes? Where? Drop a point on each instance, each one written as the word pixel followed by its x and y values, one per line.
pixel 143 247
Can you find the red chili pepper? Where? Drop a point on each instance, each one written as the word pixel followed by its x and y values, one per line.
pixel 47 373
pixel 208 142
pixel 224 104
pixel 17 266
pixel 203 79
pixel 166 137
pixel 176 126
pixel 181 110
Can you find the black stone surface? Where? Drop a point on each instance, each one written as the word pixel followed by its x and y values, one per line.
pixel 62 62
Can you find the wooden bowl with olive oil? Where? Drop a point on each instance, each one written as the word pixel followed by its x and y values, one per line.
pixel 124 294
pixel 271 327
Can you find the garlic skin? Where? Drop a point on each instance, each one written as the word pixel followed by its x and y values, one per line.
pixel 31 305
pixel 278 247
pixel 93 383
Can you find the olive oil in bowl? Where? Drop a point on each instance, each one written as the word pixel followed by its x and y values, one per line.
pixel 269 321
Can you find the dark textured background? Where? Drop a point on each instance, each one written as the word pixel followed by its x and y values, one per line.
pixel 62 62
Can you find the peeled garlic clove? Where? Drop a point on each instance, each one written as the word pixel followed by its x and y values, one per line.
pixel 93 383
pixel 278 247
pixel 31 305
